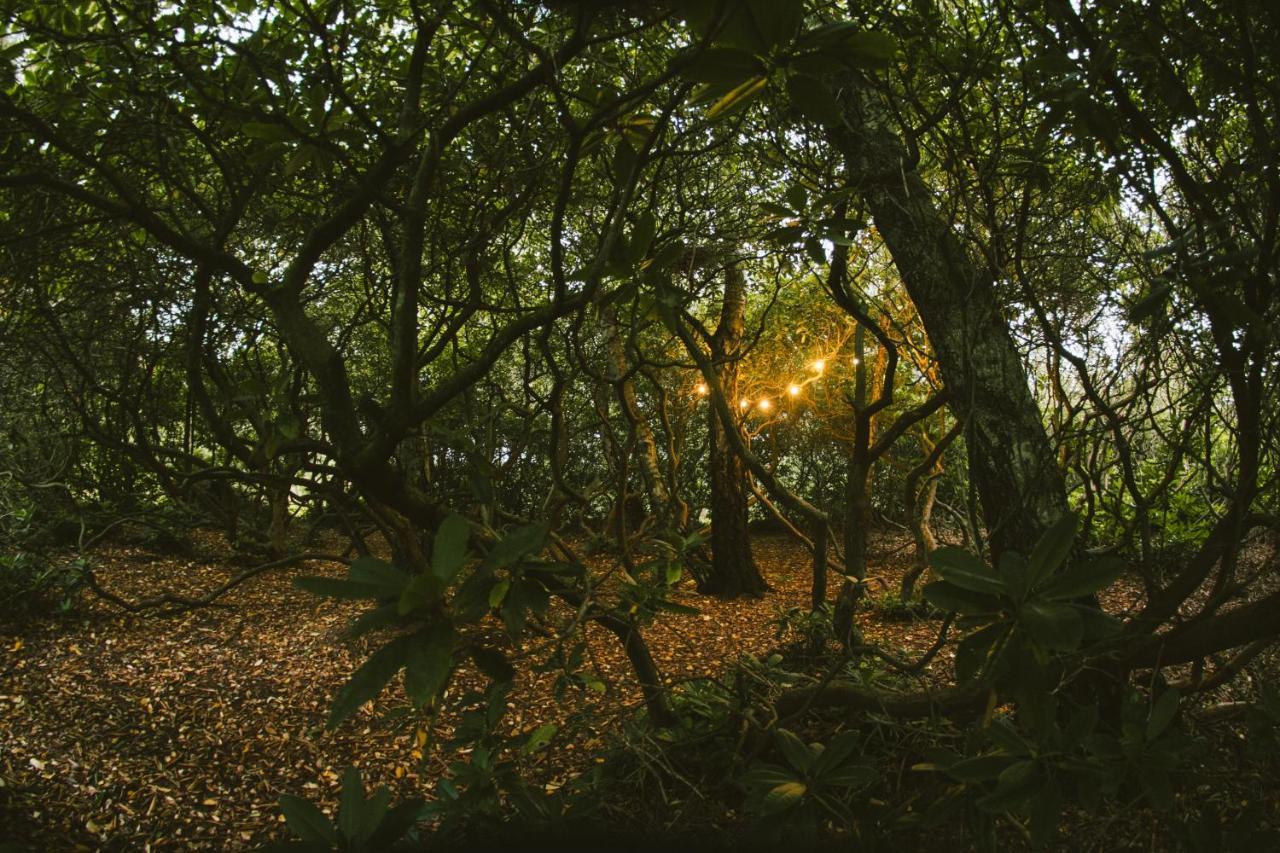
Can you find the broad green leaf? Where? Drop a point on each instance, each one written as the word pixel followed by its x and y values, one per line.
pixel 836 752
pixel 351 805
pixel 380 617
pixel 338 588
pixel 422 592
pixel 1046 810
pixel 776 20
pixel 963 569
pixel 1014 784
pixel 973 650
pixel 1085 579
pixel 850 775
pixel 737 97
pixel 518 543
pixel 1049 554
pixel 306 821
pixel 642 237
pixel 725 67
pixel 765 775
pixel 798 755
pixel 812 99
pixel 367 681
pixel 393 826
pixel 498 593
pixel 429 662
pixel 449 551
pixel 267 131
pixel 492 663
pixel 871 49
pixel 1162 713
pixel 783 796
pixel 947 596
pixel 1054 626
pixel 378 573
pixel 1015 573
pixel 980 768
pixel 539 738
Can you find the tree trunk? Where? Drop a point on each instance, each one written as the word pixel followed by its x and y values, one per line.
pixel 1010 457
pixel 733 568
pixel 619 373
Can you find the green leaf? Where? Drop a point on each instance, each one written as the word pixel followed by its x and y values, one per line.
pixel 813 248
pixel 980 768
pixel 776 20
pixel 516 544
pixel 422 592
pixel 850 776
pixel 395 824
pixel 724 67
pixel 429 662
pixel 267 131
pixel 947 596
pixel 798 755
pixel 1054 547
pixel 972 652
pixel 499 592
pixel 449 551
pixel 1054 626
pixel 380 617
pixel 836 752
pixel 642 237
pixel 738 97
pixel 337 588
pixel 1162 713
pixel 783 797
pixel 764 775
pixel 1046 809
pixel 378 574
pixel 539 738
pixel 1085 579
pixel 492 663
pixel 1015 573
pixel 959 567
pixel 306 821
pixel 779 210
pixel 813 100
pixel 351 805
pixel 367 681
pixel 871 49
pixel 1012 786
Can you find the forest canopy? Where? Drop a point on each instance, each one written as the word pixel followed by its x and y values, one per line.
pixel 520 326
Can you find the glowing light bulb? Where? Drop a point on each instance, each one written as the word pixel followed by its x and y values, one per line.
pixel 743 403
pixel 793 390
pixel 702 389
pixel 765 405
pixel 819 365
pixel 857 361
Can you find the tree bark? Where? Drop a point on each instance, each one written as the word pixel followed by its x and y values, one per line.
pixel 733 568
pixel 1011 460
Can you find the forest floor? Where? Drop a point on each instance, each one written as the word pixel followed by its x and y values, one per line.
pixel 142 732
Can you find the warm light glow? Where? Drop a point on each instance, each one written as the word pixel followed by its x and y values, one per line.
pixel 857 361
pixel 793 390
pixel 819 365
pixel 742 404
pixel 702 389
pixel 765 405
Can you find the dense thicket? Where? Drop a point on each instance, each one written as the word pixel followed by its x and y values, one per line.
pixel 485 286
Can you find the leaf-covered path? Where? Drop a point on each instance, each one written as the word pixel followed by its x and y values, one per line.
pixel 145 732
